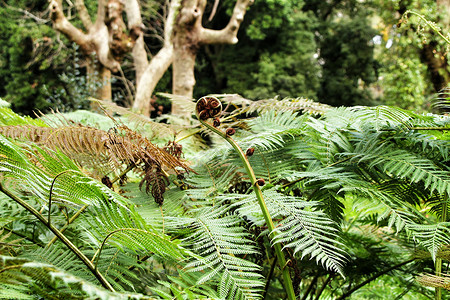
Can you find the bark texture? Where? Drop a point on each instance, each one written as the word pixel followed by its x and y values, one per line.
pixel 158 65
pixel 103 43
pixel 190 35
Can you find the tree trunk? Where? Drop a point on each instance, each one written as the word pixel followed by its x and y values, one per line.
pixel 150 78
pixel 183 72
pixel 437 65
pixel 105 42
pixel 189 35
pixel 183 79
pixel 158 65
pixel 99 83
pixel 136 27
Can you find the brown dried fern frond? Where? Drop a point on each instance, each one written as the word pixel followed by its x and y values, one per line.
pixel 88 145
pixel 442 281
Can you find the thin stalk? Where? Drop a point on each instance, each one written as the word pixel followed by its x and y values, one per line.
pixel 310 287
pixel 68 223
pixel 188 135
pixel 369 280
pixel 51 193
pixel 432 25
pixel 61 236
pixel 280 255
pixel 99 251
pixel 128 169
pixel 269 277
pixel 324 285
pixel 438 266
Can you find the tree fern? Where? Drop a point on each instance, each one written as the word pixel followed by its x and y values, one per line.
pixel 325 176
pixel 221 245
pixel 20 276
pixel 309 232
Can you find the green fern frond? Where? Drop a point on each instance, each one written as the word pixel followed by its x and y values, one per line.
pixel 402 164
pixel 185 287
pixel 301 228
pixel 221 245
pixel 8 117
pixel 21 277
pixel 386 116
pixel 124 228
pixel 432 237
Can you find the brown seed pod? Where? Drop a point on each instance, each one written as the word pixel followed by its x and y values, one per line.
pixel 260 182
pixel 230 131
pixel 250 151
pixel 216 122
pixel 106 181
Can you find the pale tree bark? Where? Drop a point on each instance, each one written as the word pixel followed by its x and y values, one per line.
pixel 136 26
pixel 189 35
pixel 184 35
pixel 103 43
pixel 158 64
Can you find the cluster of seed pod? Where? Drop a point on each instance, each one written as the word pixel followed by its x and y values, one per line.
pixel 208 107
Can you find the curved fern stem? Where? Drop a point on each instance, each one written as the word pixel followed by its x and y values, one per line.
pixel 432 25
pixel 70 221
pixel 51 193
pixel 61 236
pixel 280 255
pixel 99 251
pixel 438 295
pixel 128 169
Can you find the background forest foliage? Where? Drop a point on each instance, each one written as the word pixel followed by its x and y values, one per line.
pixel 118 206
pixel 337 52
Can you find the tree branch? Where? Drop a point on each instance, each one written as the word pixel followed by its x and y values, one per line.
pixel 228 35
pixel 61 24
pixel 84 14
pixel 152 74
pixel 135 27
pixel 101 12
pixel 158 65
